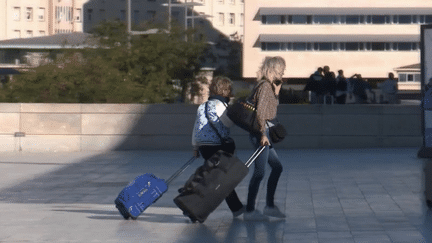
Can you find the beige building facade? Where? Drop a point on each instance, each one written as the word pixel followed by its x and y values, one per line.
pixel 34 18
pixel 227 16
pixel 369 37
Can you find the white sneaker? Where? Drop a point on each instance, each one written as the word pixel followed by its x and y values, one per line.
pixel 254 216
pixel 273 212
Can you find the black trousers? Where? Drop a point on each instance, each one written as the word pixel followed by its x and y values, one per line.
pixel 232 200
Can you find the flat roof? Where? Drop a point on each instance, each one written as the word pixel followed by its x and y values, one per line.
pixel 58 41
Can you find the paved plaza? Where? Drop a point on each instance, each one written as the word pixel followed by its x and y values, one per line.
pixel 340 195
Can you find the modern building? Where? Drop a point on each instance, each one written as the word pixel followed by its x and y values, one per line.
pixel 30 18
pixel 368 37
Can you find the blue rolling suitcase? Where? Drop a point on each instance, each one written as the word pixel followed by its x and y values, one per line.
pixel 142 192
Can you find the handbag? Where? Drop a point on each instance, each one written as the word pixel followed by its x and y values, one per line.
pixel 228 144
pixel 243 114
pixel 277 131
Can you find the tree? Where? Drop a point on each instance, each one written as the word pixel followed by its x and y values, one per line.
pixel 121 69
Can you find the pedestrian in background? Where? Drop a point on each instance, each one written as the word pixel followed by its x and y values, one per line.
pixel 265 98
pixel 389 90
pixel 357 88
pixel 315 86
pixel 341 88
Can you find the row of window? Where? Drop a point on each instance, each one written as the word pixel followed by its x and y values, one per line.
pixel 340 46
pixel 346 19
pixel 63 13
pixel 409 77
pixel 31 33
pixel 28 14
pixel 232 2
pixel 231 19
pixel 27 33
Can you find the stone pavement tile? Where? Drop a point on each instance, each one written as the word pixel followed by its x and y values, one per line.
pixel 335 237
pixel 300 225
pixel 355 206
pixel 363 223
pixel 348 192
pixel 406 236
pixel 300 237
pixel 391 221
pixel 371 237
pixel 331 223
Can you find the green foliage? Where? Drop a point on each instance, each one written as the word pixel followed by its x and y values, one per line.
pixel 122 69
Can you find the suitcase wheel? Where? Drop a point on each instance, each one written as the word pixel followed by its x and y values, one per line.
pixel 429 204
pixel 122 210
pixel 191 218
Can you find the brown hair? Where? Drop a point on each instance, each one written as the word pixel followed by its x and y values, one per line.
pixel 219 85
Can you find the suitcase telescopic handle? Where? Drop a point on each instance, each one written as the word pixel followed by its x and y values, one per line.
pixel 179 171
pixel 254 156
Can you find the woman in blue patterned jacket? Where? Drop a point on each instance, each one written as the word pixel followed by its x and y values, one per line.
pixel 211 130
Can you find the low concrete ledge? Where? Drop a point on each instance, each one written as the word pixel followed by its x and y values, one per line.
pixel 101 127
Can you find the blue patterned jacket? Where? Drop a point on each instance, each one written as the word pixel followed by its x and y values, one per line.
pixel 203 133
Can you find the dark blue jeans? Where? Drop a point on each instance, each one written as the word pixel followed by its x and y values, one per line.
pixel 269 156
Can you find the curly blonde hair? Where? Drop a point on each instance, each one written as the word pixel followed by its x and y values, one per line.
pixel 272 69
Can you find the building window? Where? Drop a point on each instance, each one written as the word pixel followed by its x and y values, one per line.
pixel 354 19
pixel 300 19
pixel 271 46
pixel 29 33
pixel 78 15
pixel 232 19
pixel 41 14
pixel 17 13
pixel 89 14
pixel 151 14
pixel 409 77
pixel 17 34
pixel 378 19
pixel 403 19
pixel 136 16
pixel 41 33
pixel 325 19
pixel 221 1
pixel 175 15
pixel 221 19
pixel 232 2
pixel 122 14
pixel 29 14
pixel 102 14
pixel 242 19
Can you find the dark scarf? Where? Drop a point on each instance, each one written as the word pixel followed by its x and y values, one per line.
pixel 220 98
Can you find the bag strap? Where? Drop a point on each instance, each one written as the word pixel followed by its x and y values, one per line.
pixel 211 124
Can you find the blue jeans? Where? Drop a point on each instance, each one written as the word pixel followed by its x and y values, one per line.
pixel 268 155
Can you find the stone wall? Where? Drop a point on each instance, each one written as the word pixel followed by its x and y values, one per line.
pixel 102 127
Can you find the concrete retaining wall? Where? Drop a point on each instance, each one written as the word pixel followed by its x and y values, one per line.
pixel 101 127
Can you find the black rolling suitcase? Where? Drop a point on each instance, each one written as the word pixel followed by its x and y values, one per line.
pixel 212 183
